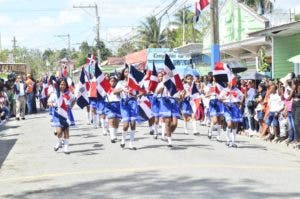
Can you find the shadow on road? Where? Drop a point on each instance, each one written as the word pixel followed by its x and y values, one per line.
pixel 150 185
pixel 5 147
pixel 5 127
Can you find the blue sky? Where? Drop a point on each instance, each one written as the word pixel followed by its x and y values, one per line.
pixel 36 22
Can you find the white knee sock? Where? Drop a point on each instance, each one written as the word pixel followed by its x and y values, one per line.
pixel 228 131
pixel 185 124
pixel 95 120
pixel 169 140
pixel 132 133
pixel 102 122
pixel 155 129
pixel 112 133
pixel 124 134
pixel 89 117
pixel 233 135
pixel 163 129
pixel 219 131
pixel 195 126
pixel 211 128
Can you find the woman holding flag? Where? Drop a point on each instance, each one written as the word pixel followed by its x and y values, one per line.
pixel 231 97
pixel 112 110
pixel 169 90
pixel 62 101
pixel 128 107
pixel 186 108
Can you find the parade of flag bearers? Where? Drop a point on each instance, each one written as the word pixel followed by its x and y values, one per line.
pixel 159 99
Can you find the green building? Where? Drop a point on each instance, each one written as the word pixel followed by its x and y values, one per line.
pixel 236 21
pixel 286 44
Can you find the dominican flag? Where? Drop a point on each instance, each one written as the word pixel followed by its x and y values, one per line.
pixel 103 85
pixel 62 111
pixel 82 97
pixel 203 4
pixel 153 82
pixel 195 98
pixel 134 79
pixel 144 109
pixel 172 79
pixel 197 11
pixel 223 74
pixel 91 59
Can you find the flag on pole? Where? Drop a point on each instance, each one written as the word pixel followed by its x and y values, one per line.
pixel 197 11
pixel 91 59
pixel 62 111
pixel 195 98
pixel 103 85
pixel 134 78
pixel 144 109
pixel 223 74
pixel 153 82
pixel 203 4
pixel 82 97
pixel 172 79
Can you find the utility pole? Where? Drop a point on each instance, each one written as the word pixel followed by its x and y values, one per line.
pixel 0 42
pixel 183 26
pixel 14 47
pixel 214 17
pixel 94 6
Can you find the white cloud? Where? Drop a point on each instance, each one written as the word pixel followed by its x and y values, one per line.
pixel 5 20
pixel 68 17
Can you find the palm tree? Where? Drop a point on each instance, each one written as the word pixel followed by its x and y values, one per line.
pixel 185 17
pixel 150 34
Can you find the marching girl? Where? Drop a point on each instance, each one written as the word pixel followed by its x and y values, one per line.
pixel 155 107
pixel 216 109
pixel 128 108
pixel 62 100
pixel 93 99
pixel 186 107
pixel 112 110
pixel 169 111
pixel 231 97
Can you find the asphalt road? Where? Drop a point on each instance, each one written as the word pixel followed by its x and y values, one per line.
pixel 194 168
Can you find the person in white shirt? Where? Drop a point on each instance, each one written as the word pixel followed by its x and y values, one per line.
pixel 112 110
pixel 186 108
pixel 169 110
pixel 20 97
pixel 231 97
pixel 250 106
pixel 62 100
pixel 216 109
pixel 128 107
pixel 276 105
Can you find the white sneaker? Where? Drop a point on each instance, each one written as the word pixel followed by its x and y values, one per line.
pixel 66 149
pixel 57 146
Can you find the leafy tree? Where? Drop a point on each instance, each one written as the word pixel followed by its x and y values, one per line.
pixel 63 53
pixel 104 52
pixel 4 55
pixel 85 48
pixel 126 48
pixel 150 34
pixel 297 17
pixel 185 17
